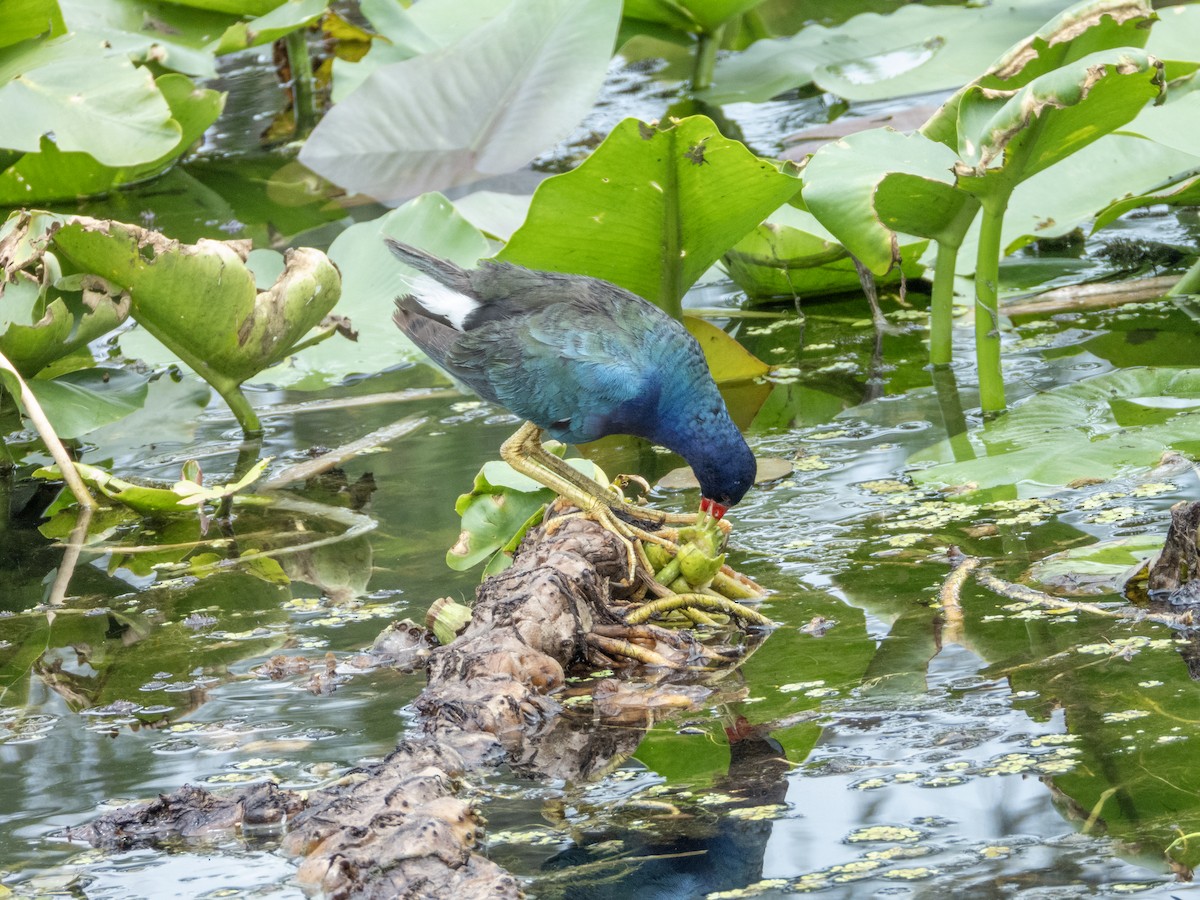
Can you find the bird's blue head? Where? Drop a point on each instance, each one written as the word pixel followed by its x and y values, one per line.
pixel 725 473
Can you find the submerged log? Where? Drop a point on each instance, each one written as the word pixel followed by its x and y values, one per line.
pixel 397 828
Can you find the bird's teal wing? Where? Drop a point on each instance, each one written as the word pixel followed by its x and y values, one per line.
pixel 577 370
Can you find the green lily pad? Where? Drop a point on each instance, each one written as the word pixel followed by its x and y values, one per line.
pixel 79 402
pixel 89 96
pixel 916 49
pixel 285 18
pixel 792 254
pixel 486 105
pixel 501 507
pixel 695 16
pixel 1090 429
pixel 54 174
pixel 373 279
pixel 200 300
pixel 25 19
pixel 182 497
pixel 651 209
pixel 421 28
pixel 1100 568
pixel 845 179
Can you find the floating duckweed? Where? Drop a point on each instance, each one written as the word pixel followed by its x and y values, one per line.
pixel 853 871
pixel 1154 488
pixel 995 851
pixel 1125 715
pixel 939 781
pixel 900 851
pixel 1053 740
pixel 890 833
pixel 257 763
pixel 810 462
pixel 800 545
pixel 1098 500
pixel 750 890
pixel 1116 514
pixel 811 347
pixel 1133 887
pixel 869 784
pixel 303 604
pixel 757 813
pixel 716 798
pixel 531 838
pixel 957 766
pixel 801 686
pixel 913 874
pixel 1060 760
pixel 1149 684
pixel 905 540
pixel 822 692
pixel 829 435
pixel 1126 645
pixel 235 778
pixel 885 486
pixel 1024 504
pixel 906 777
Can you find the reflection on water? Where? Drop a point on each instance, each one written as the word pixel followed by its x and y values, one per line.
pixel 886 751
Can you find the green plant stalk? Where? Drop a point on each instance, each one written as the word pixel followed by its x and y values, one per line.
pixel 1189 283
pixel 987 302
pixel 304 95
pixel 50 438
pixel 941 305
pixel 707 45
pixel 240 407
pixel 230 391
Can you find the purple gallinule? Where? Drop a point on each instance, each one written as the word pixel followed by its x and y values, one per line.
pixel 579 358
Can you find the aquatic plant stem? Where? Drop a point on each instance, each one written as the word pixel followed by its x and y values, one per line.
pixel 987 303
pixel 304 103
pixel 1189 283
pixel 941 306
pixel 240 407
pixel 707 44
pixel 647 611
pixel 49 437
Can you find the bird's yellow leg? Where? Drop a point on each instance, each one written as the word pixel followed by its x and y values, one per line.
pixel 525 447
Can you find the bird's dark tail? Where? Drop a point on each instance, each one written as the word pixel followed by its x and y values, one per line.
pixel 440 270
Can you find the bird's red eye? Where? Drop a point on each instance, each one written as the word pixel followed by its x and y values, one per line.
pixel 713 508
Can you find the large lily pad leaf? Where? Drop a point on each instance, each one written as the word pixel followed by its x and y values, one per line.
pixel 842 179
pixel 792 254
pixel 285 18
pixel 503 504
pixel 52 174
pixel 1072 107
pixel 201 300
pixel 89 97
pixel 422 28
pixel 374 278
pixel 484 106
pixel 1096 428
pixel 233 7
pixel 689 15
pixel 916 49
pixel 26 19
pixel 651 209
pixel 183 497
pixel 58 321
pixel 82 401
pixel 176 37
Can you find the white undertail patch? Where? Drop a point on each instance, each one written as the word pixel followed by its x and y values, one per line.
pixel 442 301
